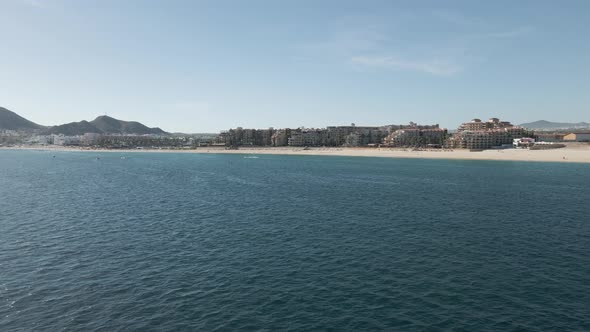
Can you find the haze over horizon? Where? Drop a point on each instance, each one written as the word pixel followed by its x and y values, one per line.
pixel 203 67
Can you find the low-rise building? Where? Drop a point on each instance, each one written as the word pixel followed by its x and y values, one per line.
pixel 549 136
pixel 524 142
pixel 577 137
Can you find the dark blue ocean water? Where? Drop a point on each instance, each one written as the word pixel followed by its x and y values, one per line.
pixel 172 242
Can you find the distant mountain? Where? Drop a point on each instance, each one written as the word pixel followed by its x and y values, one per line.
pixel 12 121
pixel 548 125
pixel 101 125
pixel 104 125
pixel 109 125
pixel 73 129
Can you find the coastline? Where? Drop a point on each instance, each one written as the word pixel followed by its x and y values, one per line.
pixel 576 152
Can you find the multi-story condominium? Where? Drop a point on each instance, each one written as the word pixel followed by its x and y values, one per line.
pixel 222 139
pixel 403 137
pixel 264 137
pixel 305 137
pixel 313 137
pixel 281 137
pixel 477 124
pixel 241 136
pixel 342 135
pixel 336 135
pixel 296 138
pixel 353 139
pixel 331 136
pixel 248 137
pixel 415 137
pixel 478 135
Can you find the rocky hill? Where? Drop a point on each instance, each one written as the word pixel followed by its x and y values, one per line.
pixel 73 129
pixel 12 121
pixel 110 125
pixel 101 125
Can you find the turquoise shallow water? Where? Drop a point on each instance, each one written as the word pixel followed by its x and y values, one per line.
pixel 172 242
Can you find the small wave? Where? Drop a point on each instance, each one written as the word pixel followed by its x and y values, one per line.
pixel 242 181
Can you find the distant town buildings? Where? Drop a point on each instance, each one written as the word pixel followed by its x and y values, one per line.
pixel 66 140
pixel 475 135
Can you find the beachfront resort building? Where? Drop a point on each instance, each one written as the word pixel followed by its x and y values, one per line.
pixel 351 136
pixel 479 135
pixel 280 137
pixel 331 136
pixel 478 125
pixel 244 136
pixel 416 137
pixel 354 135
pixel 305 137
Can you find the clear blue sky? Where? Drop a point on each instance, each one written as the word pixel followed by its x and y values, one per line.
pixel 202 66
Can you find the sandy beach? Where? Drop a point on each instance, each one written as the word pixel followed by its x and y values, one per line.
pixel 574 152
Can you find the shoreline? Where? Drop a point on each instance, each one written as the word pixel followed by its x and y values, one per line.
pixel 577 152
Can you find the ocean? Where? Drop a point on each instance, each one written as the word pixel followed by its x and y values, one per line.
pixel 196 242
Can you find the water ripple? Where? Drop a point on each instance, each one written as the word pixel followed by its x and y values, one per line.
pixel 173 242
